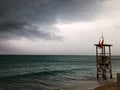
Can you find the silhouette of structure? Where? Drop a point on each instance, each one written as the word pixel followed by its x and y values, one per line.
pixel 103 60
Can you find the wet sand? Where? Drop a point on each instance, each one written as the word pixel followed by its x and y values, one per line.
pixel 90 85
pixel 109 86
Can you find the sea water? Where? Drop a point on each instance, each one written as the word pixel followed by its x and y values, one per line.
pixel 47 72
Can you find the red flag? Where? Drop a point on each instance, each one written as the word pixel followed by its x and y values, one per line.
pixel 100 45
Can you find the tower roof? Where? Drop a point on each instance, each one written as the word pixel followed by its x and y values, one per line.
pixel 104 44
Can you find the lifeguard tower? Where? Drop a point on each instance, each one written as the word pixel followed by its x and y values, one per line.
pixel 103 59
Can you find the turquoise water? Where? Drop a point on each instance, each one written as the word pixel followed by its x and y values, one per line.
pixel 47 72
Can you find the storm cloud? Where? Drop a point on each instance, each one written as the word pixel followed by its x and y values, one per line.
pixel 11 29
pixel 37 19
pixel 47 11
pixel 19 17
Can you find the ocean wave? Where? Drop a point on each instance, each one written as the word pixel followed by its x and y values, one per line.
pixel 43 73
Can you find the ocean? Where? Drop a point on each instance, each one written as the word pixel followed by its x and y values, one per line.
pixel 48 72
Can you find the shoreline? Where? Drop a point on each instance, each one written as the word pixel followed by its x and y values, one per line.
pixel 89 85
pixel 109 86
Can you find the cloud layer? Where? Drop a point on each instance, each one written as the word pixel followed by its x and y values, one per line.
pixel 36 19
pixel 12 29
pixel 47 11
pixel 18 17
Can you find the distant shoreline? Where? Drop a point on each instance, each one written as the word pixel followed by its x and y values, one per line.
pixel 45 55
pixel 39 55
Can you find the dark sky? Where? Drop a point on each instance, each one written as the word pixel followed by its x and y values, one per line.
pixel 40 22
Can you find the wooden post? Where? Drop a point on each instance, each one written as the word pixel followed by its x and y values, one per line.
pixel 118 81
pixel 97 61
pixel 110 62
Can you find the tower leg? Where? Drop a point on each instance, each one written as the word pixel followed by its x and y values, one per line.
pixel 97 76
pixel 104 73
pixel 111 75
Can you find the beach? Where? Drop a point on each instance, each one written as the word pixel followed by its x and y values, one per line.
pixel 109 86
pixel 93 85
pixel 112 85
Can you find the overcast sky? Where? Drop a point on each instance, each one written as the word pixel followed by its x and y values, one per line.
pixel 60 27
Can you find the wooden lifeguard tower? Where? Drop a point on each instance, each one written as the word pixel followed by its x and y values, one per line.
pixel 103 59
